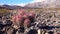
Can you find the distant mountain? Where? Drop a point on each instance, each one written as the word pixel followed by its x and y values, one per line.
pixel 45 4
pixel 10 7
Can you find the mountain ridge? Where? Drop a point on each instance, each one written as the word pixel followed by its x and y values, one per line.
pixel 45 4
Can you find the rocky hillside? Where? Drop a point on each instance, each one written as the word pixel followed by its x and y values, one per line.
pixel 45 4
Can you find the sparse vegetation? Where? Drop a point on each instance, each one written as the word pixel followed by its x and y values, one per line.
pixel 24 18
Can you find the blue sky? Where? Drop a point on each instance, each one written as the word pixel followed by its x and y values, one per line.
pixel 18 2
pixel 14 1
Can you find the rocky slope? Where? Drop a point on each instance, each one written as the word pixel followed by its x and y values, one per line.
pixel 45 4
pixel 45 22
